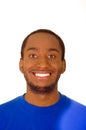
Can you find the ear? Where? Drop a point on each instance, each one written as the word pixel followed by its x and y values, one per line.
pixel 21 65
pixel 63 66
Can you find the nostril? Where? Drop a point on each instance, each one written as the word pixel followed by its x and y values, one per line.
pixel 43 63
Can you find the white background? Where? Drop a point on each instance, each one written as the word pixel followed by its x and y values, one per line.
pixel 67 18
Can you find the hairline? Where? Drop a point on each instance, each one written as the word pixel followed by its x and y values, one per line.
pixel 60 41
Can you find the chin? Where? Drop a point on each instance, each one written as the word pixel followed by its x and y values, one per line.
pixel 41 89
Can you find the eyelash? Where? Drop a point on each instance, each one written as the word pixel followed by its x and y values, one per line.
pixel 34 56
pixel 51 56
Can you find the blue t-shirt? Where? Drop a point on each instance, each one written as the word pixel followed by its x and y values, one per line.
pixel 66 114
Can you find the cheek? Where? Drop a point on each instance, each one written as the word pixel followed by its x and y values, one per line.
pixel 29 62
pixel 27 67
pixel 58 69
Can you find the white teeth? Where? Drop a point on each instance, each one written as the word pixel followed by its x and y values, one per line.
pixel 42 75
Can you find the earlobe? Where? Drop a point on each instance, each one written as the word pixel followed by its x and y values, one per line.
pixel 21 65
pixel 63 66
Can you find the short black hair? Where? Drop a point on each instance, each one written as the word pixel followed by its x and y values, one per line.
pixel 61 43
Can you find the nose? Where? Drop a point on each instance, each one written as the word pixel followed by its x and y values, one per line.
pixel 43 62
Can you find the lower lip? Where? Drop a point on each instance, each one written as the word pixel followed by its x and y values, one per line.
pixel 42 77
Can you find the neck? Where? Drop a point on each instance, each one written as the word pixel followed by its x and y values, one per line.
pixel 42 99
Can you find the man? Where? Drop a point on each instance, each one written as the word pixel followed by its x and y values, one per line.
pixel 42 107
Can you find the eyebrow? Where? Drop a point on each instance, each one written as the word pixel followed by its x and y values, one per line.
pixel 53 49
pixel 50 49
pixel 32 48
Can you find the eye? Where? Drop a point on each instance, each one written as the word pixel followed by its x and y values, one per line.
pixel 51 56
pixel 33 56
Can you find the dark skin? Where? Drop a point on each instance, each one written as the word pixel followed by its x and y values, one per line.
pixel 42 66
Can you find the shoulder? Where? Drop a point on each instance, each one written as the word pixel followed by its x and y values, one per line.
pixel 74 114
pixel 8 111
pixel 10 105
pixel 74 107
pixel 74 103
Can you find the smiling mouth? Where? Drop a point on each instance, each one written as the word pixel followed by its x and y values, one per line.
pixel 42 75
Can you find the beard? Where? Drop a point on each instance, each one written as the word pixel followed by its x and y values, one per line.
pixel 41 90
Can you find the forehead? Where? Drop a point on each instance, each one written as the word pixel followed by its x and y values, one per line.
pixel 42 40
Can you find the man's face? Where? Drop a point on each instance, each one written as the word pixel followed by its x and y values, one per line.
pixel 42 63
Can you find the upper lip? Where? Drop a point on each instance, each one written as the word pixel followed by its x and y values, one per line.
pixel 42 72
